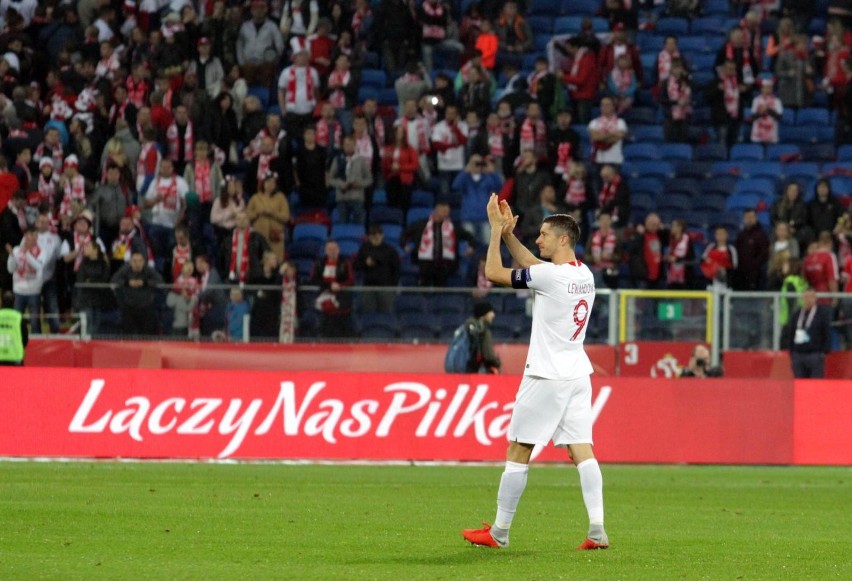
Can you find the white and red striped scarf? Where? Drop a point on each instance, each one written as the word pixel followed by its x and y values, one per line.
pixel 604 243
pixel 622 78
pixel 80 243
pixel 337 98
pixel 184 284
pixel 264 161
pixel 203 185
pixel 680 95
pixel 167 187
pixel 495 141
pixel 293 85
pixel 107 67
pixel 533 80
pixel 607 194
pixel 25 269
pixel 326 132
pixel 575 193
pixel 287 328
pixel 188 142
pixel 678 249
pixel 563 158
pixel 431 31
pixel 47 189
pixel 748 71
pixel 421 143
pixel 533 135
pixel 56 155
pixel 60 110
pixel 426 250
pixel 732 95
pixel 74 190
pixel 244 256
pixel 180 256
pixel 136 91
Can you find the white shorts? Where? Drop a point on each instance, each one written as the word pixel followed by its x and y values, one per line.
pixel 552 409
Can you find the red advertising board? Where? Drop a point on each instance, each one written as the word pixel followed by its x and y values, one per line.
pixel 142 413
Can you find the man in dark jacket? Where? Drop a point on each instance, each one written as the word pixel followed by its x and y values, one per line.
pixel 333 274
pixel 753 251
pixel 485 359
pixel 808 337
pixel 435 245
pixel 136 291
pixel 11 233
pixel 379 263
pixel 646 253
pixel 109 202
pixel 241 254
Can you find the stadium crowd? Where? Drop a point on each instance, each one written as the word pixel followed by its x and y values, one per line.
pixel 194 143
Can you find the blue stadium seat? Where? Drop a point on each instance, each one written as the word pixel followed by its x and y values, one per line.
pixel 415 214
pixel 549 8
pixel 349 246
pixel 353 231
pixel 710 152
pixel 540 41
pixel 761 169
pixel 375 78
pixel 385 215
pixel 722 184
pixel 392 233
pixel 541 24
pixel 692 44
pixel 676 151
pixel 683 185
pixel 708 25
pixel 641 151
pixel 422 199
pixel 762 186
pixel 797 135
pixel 647 134
pixel 745 151
pixel 305 248
pixel 411 303
pixel 672 27
pixel 650 168
pixel 676 202
pixel 742 201
pixel 650 43
pixel 801 170
pixel 583 7
pixel 388 97
pixel 315 231
pixel 567 25
pixel 699 170
pixel 653 185
pixel 844 153
pixel 642 201
pixel 452 304
pixel 818 152
pixel 813 116
pixel 782 151
pixel 711 202
pixel 640 116
pixel 841 185
pixel 726 168
pixel 262 93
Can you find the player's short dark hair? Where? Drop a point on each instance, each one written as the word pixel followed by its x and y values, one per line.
pixel 565 224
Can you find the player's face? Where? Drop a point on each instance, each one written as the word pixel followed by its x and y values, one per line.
pixel 547 241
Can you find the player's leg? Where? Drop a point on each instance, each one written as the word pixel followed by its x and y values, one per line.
pixel 591 483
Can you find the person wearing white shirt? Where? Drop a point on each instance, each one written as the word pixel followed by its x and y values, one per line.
pixel 449 138
pixel 49 244
pixel 607 134
pixel 26 265
pixel 298 90
pixel 166 196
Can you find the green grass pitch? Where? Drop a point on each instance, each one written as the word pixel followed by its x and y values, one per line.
pixel 270 521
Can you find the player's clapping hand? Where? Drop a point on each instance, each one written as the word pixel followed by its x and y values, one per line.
pixel 495 216
pixel 509 221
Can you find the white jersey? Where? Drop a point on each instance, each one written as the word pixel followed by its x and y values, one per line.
pixel 563 296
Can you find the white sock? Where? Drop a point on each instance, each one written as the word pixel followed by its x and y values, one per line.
pixel 512 485
pixel 591 481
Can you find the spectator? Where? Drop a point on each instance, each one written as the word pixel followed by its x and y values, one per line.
pixel 620 46
pixel 183 300
pixel 399 165
pixel 412 84
pixel 289 298
pixel 26 265
pixel 181 253
pixel 241 255
pixel 321 46
pixel 433 18
pixel 272 129
pixel 603 252
pixel 766 110
pixel 624 12
pixel 563 145
pixel 621 84
pixel 329 132
pixel 746 66
pixel 130 239
pixel 22 169
pixel 448 139
pixel 699 364
pixel 475 92
pixel 13 222
pixel 581 79
pixel 366 147
pixel 726 97
pixel 350 175
pixel 342 90
pixel 791 210
pixel 208 68
pixel 269 214
pixel 436 242
pixel 514 33
pixel 532 134
pixel 665 60
pixel 820 266
pixel 73 246
pixel 395 20
pixel 576 192
pixel 50 149
pixel 235 314
pixel 753 253
pixel 49 246
pixel 211 298
pixel 470 29
pixel 334 275
pixel 795 73
pixel 136 288
pixel 485 359
pixel 226 206
pixel 417 134
pixel 93 302
pixel 109 202
pixel 149 160
pixel 808 337
pixel 515 90
pixel 680 257
pixel 266 307
pixel 375 122
pixel 614 196
pixel 542 87
pixel 487 44
pixel 166 196
pixel 310 172
pixel 379 263
pixel 676 100
pixel 259 46
pixel 793 282
pixel 645 251
pixel 223 128
pixel 204 177
pixel 269 160
pixel 181 138
pixel 607 134
pixel 784 247
pixel 298 91
pixel 825 209
pixel 533 217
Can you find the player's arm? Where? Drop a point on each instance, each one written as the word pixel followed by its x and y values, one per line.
pixel 519 252
pixel 494 269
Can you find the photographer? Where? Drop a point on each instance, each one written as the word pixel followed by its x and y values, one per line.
pixel 699 364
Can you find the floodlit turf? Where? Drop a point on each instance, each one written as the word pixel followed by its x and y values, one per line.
pixel 264 521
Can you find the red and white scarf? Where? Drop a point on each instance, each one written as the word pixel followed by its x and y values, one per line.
pixel 243 258
pixel 203 184
pixel 622 79
pixel 188 284
pixel 578 58
pixel 358 20
pixel 180 256
pixel 432 31
pixel 732 95
pixel 680 95
pixel 533 135
pixel 664 64
pixel 167 187
pixel 575 193
pixel 495 142
pixel 47 189
pixel 678 249
pixel 137 91
pixel 337 98
pixel 264 161
pixel 287 328
pixel 118 111
pixel 144 155
pixel 604 244
pixel 607 195
pixel 326 132
pixel 563 158
pixel 378 129
pixel 764 129
pixel 426 251
pixel 606 125
pixel 252 150
pixel 57 156
pixel 106 67
pixel 188 142
pixel 25 270
pixel 421 142
pixel 74 190
pixel 293 86
pixel 533 80
pixel 748 71
pixel 80 243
